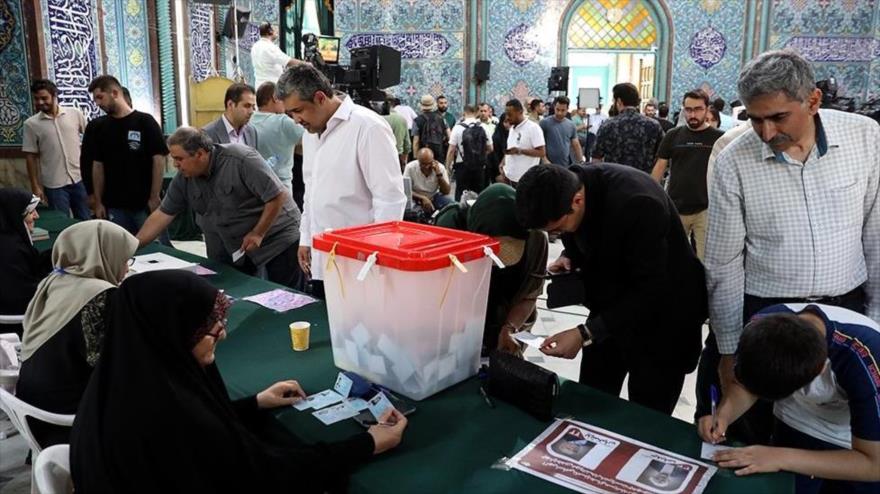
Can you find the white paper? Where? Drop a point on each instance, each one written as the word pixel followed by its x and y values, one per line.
pixel 361 335
pixel 302 404
pixel 376 364
pixel 529 339
pixel 331 415
pixel 351 352
pixel 708 450
pixel 237 255
pixel 446 367
pixel 657 472
pixel 402 368
pixel 158 261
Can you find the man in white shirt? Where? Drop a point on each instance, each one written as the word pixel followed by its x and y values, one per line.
pixel 404 111
pixel 51 143
pixel 268 60
pixel 232 126
pixel 525 143
pixel 468 176
pixel 350 164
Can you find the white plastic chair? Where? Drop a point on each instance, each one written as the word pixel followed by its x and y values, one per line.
pixel 52 470
pixel 18 412
pixel 8 319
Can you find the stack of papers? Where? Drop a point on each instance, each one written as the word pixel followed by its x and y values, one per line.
pixel 333 405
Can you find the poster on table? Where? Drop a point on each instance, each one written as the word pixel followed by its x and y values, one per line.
pixel 589 459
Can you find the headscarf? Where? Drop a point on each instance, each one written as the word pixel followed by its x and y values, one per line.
pixel 15 204
pixel 89 258
pixel 152 413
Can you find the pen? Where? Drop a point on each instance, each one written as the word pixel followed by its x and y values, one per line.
pixel 486 397
pixel 713 396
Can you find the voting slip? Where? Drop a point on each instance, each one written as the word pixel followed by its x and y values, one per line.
pixel 708 450
pixel 331 415
pixel 529 339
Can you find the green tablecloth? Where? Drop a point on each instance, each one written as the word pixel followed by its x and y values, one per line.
pixel 454 437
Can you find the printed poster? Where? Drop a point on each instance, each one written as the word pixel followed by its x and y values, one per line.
pixel 589 459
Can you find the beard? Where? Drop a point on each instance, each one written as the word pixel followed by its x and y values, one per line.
pixel 695 123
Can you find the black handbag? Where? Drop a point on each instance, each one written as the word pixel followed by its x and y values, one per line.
pixel 523 384
pixel 565 289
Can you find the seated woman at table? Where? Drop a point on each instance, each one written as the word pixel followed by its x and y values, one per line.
pixel 65 321
pixel 156 416
pixel 514 290
pixel 21 265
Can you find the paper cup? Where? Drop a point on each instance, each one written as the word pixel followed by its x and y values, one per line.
pixel 299 335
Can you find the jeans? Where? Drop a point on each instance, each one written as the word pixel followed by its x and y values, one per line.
pixel 132 220
pixel 70 198
pixel 440 201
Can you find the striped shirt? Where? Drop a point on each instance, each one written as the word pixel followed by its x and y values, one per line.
pixel 780 228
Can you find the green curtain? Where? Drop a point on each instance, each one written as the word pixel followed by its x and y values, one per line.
pixel 292 21
pixel 325 16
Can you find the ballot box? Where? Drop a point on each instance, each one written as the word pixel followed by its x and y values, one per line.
pixel 407 303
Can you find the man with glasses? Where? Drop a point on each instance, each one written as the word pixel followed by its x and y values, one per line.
pixel 642 282
pixel 685 151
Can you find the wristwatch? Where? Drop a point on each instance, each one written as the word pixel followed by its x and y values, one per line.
pixel 586 335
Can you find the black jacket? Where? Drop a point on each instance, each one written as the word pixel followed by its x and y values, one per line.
pixel 643 283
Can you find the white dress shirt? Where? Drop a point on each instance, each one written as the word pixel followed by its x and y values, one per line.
pixel 781 228
pixel 235 136
pixel 352 176
pixel 268 61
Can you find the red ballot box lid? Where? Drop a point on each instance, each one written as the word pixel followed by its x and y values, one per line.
pixel 406 246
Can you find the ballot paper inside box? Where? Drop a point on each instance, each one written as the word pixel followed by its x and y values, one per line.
pixel 415 331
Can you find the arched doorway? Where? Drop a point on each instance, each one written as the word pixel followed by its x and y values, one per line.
pixel 605 42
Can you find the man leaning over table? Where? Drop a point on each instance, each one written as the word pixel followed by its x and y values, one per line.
pixel 240 205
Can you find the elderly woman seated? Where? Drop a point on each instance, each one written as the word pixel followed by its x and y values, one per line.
pixel 21 265
pixel 64 325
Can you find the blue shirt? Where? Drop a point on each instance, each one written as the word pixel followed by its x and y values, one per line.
pixel 844 400
pixel 277 135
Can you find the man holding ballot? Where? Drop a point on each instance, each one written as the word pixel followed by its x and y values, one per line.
pixel 641 280
pixel 248 218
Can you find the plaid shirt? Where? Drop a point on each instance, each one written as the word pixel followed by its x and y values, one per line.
pixel 629 139
pixel 779 228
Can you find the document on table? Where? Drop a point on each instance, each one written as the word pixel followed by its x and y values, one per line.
pixel 280 300
pixel 708 450
pixel 319 400
pixel 331 415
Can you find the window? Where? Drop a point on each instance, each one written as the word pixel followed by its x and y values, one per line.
pixel 623 24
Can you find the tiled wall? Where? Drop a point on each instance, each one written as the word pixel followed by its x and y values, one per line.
pixel 15 98
pixel 430 34
pixel 127 52
pixel 840 37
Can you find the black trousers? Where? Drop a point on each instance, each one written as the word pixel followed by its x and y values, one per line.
pixel 756 425
pixel 283 269
pixel 472 179
pixel 605 365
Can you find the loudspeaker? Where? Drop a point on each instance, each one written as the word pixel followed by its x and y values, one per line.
pixel 558 80
pixel 378 65
pixel 481 70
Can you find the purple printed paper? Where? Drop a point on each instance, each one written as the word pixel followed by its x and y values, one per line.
pixel 280 300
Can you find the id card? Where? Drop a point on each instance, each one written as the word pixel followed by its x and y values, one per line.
pixel 331 415
pixel 343 385
pixel 378 405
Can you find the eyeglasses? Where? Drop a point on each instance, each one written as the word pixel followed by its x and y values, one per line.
pixel 131 261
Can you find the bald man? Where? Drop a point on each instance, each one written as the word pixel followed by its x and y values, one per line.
pixel 430 182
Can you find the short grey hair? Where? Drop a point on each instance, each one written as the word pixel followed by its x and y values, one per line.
pixel 304 80
pixel 776 71
pixel 191 140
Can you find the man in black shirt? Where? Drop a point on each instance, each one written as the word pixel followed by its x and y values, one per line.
pixel 644 286
pixel 663 117
pixel 129 160
pixel 630 138
pixel 685 150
